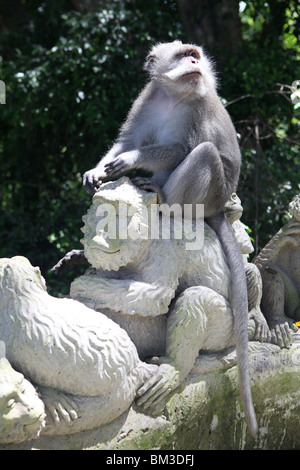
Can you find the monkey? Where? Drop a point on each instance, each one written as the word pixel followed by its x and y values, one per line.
pixel 179 130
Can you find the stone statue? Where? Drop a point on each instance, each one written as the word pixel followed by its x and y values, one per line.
pixel 143 297
pixel 22 412
pixel 84 365
pixel 257 326
pixel 279 265
pixel 143 329
pixel 151 286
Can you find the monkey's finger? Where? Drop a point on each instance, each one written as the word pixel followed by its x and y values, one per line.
pixel 97 186
pixel 116 169
pixel 112 165
pixel 90 189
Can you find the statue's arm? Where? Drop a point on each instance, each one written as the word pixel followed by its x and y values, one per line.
pixel 72 258
pixel 124 295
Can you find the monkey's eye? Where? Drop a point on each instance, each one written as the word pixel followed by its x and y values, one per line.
pixel 191 53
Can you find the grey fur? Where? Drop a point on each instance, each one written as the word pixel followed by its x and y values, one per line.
pixel 179 130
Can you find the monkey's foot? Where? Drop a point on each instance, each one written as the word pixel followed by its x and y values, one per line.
pixel 147 184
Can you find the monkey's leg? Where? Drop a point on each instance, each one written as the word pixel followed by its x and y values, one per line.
pixel 199 179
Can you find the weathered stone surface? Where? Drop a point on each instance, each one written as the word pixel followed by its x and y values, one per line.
pixel 86 357
pixel 205 412
pixel 279 265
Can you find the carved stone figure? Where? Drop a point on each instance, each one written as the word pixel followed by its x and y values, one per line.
pixel 279 265
pixel 22 412
pixel 138 282
pixel 257 326
pixel 85 366
pixel 142 297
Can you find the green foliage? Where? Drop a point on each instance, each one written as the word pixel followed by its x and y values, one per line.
pixel 258 88
pixel 66 97
pixel 70 79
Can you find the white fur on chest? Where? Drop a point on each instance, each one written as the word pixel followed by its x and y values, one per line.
pixel 166 113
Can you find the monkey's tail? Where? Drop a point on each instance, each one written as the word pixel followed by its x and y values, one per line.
pixel 239 304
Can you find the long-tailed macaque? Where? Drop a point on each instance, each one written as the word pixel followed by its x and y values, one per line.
pixel 179 130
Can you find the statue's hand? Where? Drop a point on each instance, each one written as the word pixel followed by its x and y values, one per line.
pixel 261 331
pixel 59 406
pixel 158 387
pixel 281 331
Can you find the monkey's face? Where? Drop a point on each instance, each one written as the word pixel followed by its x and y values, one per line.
pixel 180 68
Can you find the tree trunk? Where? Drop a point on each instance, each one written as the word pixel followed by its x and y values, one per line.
pixel 215 25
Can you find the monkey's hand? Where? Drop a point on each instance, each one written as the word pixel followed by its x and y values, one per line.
pixel 159 386
pixel 121 164
pixel 92 180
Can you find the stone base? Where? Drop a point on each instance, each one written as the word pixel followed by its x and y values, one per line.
pixel 206 413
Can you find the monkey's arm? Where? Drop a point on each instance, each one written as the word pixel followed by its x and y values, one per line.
pixel 123 295
pixel 123 158
pixel 150 157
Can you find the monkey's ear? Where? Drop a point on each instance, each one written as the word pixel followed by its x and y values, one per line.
pixel 150 61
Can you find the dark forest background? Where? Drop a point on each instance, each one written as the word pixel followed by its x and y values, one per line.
pixel 72 70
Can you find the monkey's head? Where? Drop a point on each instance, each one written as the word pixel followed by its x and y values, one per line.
pixel 181 68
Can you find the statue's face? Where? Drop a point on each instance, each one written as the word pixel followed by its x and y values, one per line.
pixel 233 208
pixel 107 222
pixel 114 226
pixel 21 410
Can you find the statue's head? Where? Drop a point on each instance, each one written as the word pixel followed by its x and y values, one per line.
pixel 233 208
pixel 116 224
pixel 18 274
pixel 22 413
